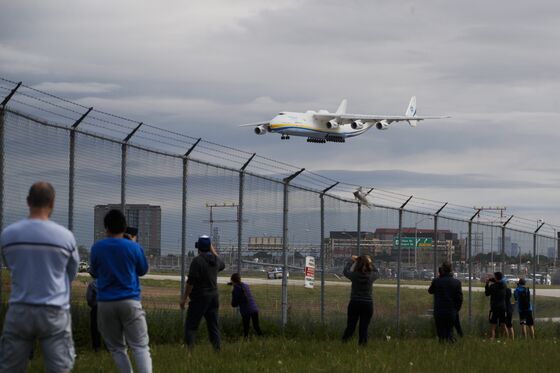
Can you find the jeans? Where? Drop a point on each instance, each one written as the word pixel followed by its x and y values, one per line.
pixel 23 324
pixel 362 311
pixel 207 307
pixel 247 320
pixel 122 323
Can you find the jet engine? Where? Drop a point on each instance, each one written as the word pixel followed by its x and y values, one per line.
pixel 260 130
pixel 382 125
pixel 357 124
pixel 332 124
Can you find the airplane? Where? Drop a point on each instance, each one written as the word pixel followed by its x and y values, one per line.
pixel 322 126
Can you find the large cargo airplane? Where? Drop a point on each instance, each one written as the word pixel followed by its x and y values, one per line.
pixel 322 126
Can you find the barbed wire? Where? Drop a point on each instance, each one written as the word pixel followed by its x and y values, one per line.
pixel 178 140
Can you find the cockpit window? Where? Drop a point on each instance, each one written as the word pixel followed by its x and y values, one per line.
pixel 281 113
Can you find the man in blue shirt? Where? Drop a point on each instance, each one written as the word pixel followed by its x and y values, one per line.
pixel 522 296
pixel 117 262
pixel 43 260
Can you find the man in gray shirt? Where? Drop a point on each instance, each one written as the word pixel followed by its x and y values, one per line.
pixel 43 260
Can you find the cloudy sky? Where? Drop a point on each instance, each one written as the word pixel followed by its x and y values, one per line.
pixel 202 67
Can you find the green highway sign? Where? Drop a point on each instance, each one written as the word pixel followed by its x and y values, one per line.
pixel 408 242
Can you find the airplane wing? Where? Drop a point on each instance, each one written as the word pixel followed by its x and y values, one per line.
pixel 374 117
pixel 388 118
pixel 255 124
pixel 410 116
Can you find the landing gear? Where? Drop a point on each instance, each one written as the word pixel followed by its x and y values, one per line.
pixel 285 137
pixel 331 138
pixel 315 140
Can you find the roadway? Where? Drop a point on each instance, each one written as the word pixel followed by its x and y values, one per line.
pixel 555 293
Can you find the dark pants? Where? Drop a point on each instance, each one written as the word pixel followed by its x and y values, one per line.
pixel 247 320
pixel 358 310
pixel 444 325
pixel 206 307
pixel 94 331
pixel 457 325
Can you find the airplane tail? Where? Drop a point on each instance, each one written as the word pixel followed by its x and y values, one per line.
pixel 342 107
pixel 411 111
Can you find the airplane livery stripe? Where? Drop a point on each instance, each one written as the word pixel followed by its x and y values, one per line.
pixel 279 127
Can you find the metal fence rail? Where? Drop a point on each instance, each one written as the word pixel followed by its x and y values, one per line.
pixel 191 186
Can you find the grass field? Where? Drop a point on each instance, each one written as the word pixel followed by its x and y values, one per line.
pixel 307 345
pixel 285 355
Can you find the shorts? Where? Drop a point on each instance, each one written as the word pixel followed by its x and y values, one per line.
pixel 497 317
pixel 526 318
pixel 23 324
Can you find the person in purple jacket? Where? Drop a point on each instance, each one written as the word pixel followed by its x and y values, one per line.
pixel 241 297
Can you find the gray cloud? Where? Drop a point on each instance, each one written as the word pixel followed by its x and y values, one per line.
pixel 204 66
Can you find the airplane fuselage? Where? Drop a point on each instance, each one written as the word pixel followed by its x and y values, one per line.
pixel 306 125
pixel 323 126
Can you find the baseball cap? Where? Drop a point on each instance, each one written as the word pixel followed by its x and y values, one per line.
pixel 203 243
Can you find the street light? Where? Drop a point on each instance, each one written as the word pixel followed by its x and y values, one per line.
pixel 416 241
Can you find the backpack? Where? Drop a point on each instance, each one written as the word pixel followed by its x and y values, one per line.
pixel 524 299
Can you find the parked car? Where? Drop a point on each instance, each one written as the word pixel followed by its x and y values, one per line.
pixel 275 273
pixel 511 279
pixel 83 267
pixel 426 275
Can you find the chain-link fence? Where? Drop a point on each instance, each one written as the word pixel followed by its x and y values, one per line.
pixel 264 216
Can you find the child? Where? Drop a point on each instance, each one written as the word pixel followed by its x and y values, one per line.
pixel 241 297
pixel 522 297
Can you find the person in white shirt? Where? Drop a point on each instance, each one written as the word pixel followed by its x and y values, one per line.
pixel 43 260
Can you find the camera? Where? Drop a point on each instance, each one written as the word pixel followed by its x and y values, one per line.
pixel 130 233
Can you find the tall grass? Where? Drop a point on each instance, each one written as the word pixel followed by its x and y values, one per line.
pixel 280 354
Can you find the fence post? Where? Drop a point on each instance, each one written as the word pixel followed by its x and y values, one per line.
pixel 436 216
pixel 124 147
pixel 286 182
pixel 2 142
pixel 470 263
pixel 503 251
pixel 503 246
pixel 240 211
pixel 184 217
pixel 399 264
pixel 1 200
pixel 535 268
pixel 322 255
pixel 359 229
pixel 72 168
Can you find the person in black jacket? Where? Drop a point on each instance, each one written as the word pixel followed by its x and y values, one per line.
pixel 448 299
pixel 361 271
pixel 202 289
pixel 91 297
pixel 497 293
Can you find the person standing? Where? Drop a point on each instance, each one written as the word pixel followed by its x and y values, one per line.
pixel 361 271
pixel 202 289
pixel 497 293
pixel 117 262
pixel 241 297
pixel 91 298
pixel 448 299
pixel 522 296
pixel 43 260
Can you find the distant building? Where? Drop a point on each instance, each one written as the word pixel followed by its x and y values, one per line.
pixel 446 239
pixel 342 244
pixel 265 243
pixel 146 218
